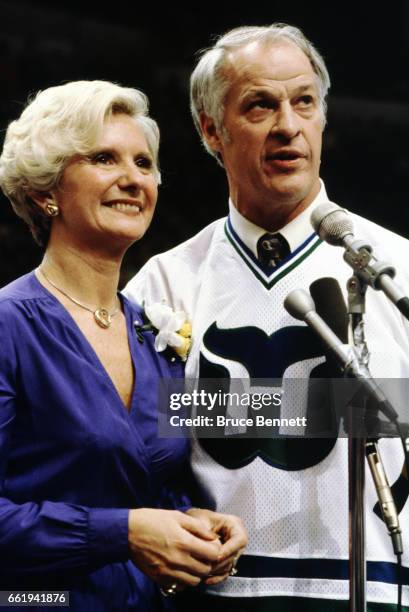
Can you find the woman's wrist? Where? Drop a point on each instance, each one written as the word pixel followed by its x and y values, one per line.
pixel 108 535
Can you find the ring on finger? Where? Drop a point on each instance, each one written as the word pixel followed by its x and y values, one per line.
pixel 233 570
pixel 169 590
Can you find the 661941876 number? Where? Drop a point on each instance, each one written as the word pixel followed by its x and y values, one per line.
pixel 34 598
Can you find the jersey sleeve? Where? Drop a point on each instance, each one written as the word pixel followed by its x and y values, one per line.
pixel 155 283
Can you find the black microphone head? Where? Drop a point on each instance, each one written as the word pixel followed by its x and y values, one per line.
pixel 330 305
pixel 331 223
pixel 298 304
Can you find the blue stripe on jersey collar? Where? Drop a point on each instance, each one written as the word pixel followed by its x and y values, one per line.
pixel 254 262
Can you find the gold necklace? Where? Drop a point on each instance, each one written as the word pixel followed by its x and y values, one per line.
pixel 102 316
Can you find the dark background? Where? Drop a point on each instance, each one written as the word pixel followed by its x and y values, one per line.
pixel 366 144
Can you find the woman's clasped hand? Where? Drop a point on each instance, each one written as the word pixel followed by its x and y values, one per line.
pixel 185 548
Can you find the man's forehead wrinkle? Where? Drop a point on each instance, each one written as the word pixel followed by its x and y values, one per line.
pixel 266 85
pixel 279 49
pixel 277 89
pixel 245 69
pixel 256 72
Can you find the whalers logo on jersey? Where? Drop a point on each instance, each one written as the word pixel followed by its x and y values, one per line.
pixel 266 356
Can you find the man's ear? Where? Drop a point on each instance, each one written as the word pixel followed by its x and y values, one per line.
pixel 210 133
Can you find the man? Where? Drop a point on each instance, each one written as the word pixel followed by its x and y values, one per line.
pixel 258 101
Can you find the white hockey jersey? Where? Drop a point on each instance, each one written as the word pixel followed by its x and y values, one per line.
pixel 294 504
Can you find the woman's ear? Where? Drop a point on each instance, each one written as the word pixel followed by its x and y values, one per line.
pixel 46 201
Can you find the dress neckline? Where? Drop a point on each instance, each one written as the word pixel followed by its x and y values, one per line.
pixel 80 336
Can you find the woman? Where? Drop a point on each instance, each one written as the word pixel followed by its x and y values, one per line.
pixel 83 476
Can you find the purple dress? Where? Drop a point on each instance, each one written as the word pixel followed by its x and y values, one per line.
pixel 73 460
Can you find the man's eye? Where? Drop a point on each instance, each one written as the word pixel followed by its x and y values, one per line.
pixel 144 162
pixel 305 100
pixel 259 104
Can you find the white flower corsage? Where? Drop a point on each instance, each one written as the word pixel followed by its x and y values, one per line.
pixel 171 328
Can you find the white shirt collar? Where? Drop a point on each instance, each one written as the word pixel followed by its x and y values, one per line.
pixel 294 232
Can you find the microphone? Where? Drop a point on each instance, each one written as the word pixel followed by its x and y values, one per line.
pixel 330 305
pixel 386 502
pixel 328 308
pixel 334 225
pixel 300 305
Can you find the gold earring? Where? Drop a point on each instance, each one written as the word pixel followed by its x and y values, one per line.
pixel 52 210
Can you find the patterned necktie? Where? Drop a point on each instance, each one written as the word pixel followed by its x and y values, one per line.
pixel 272 249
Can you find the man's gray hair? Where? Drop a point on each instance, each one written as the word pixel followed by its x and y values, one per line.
pixel 209 85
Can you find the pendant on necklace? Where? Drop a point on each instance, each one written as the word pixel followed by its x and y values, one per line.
pixel 102 317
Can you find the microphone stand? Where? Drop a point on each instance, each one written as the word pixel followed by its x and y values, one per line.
pixel 356 457
pixel 369 401
pixel 361 448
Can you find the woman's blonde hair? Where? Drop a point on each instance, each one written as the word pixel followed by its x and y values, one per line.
pixel 57 124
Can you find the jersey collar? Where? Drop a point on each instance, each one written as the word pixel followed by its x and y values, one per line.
pixel 296 232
